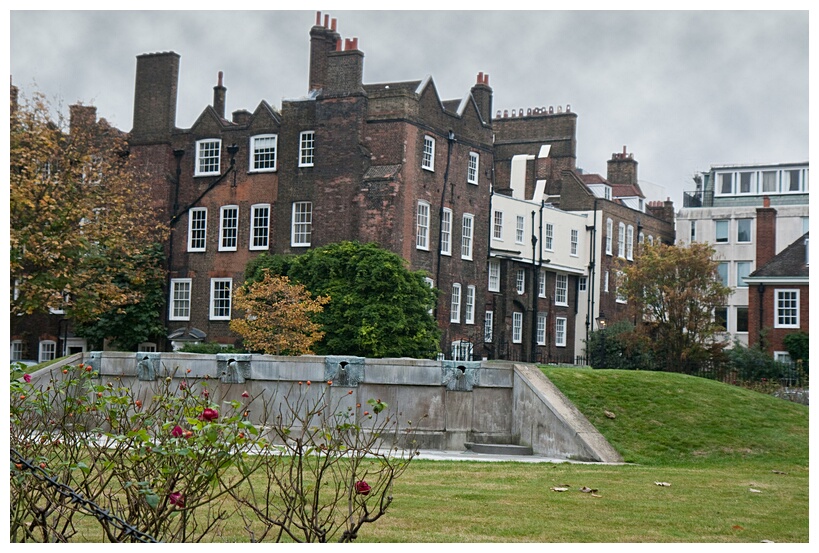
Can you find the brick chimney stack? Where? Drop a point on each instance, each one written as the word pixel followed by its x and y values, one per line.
pixel 622 168
pixel 765 232
pixel 219 93
pixel 482 94
pixel 323 39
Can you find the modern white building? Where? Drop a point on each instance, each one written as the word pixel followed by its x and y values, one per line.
pixel 721 211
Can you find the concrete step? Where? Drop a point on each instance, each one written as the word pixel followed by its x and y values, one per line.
pixel 499 449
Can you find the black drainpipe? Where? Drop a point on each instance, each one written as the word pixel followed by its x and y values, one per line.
pixel 591 279
pixel 450 142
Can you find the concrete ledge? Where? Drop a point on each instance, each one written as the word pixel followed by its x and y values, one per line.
pixel 499 449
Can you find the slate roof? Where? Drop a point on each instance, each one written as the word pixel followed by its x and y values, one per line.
pixel 790 262
pixel 376 172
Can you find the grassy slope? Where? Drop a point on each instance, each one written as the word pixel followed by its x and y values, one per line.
pixel 737 462
pixel 666 418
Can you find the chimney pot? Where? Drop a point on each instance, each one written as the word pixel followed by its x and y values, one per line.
pixel 333 24
pixel 338 45
pixel 220 78
pixel 326 20
pixel 318 18
pixel 766 201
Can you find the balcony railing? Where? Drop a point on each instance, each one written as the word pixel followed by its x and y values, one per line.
pixel 698 198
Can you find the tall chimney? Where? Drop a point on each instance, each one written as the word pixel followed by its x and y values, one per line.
pixel 219 92
pixel 157 78
pixel 765 232
pixel 482 94
pixel 323 40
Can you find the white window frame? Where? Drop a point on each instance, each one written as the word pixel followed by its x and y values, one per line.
pixel 609 235
pixel 259 238
pixel 301 225
pixel 494 272
pixel 472 168
pixel 582 284
pixel 561 289
pixel 606 281
pixel 541 284
pixel 47 351
pixel 263 153
pixel 549 237
pixel 621 240
pixel 541 329
pixel 446 231
pixel 467 226
pixel 469 305
pixel 778 309
pixel 520 229
pixel 148 347
pixel 307 148
pixel 497 225
pixel 17 350
pixel 560 331
pixel 228 228
pixel 488 326
pixel 422 225
pixel 219 283
pixel 630 243
pixel 431 283
pixel 179 307
pixel 428 154
pixel 574 240
pixel 194 230
pixel 517 327
pixel 520 281
pixel 455 304
pixel 208 157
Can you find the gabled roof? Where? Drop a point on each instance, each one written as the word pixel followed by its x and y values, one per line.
pixel 626 191
pixel 790 262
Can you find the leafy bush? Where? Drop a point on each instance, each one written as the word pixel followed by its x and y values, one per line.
pixel 797 344
pixel 619 347
pixel 753 363
pixel 172 465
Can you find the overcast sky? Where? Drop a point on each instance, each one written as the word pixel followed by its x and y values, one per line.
pixel 682 90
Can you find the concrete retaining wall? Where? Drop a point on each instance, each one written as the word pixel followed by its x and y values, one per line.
pixel 449 403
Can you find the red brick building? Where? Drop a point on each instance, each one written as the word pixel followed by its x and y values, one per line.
pixel 778 293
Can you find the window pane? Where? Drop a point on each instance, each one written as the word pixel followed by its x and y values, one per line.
pixel 769 181
pixel 743 270
pixel 302 227
pixel 446 232
pixel 743 230
pixel 722 231
pixel 466 237
pixel 742 319
pixel 722 270
pixel 726 182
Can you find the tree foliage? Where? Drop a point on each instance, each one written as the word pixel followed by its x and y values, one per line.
pixel 673 290
pixel 278 316
pixel 377 308
pixel 129 325
pixel 77 227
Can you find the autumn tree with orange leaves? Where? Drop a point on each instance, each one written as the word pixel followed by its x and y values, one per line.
pixel 277 316
pixel 79 219
pixel 672 292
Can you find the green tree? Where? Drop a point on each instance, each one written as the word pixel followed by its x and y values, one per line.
pixel 673 291
pixel 377 308
pixel 129 325
pixel 77 232
pixel 278 316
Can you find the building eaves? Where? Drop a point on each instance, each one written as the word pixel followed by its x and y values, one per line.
pixel 790 262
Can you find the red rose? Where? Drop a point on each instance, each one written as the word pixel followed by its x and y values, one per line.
pixel 176 498
pixel 27 378
pixel 362 488
pixel 209 415
pixel 177 431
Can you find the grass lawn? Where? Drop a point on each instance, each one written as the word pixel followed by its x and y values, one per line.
pixel 736 462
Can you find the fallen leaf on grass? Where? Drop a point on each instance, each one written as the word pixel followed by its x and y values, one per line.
pixel 559 489
pixel 596 495
pixel 737 527
pixel 666 484
pixel 754 490
pixel 609 414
